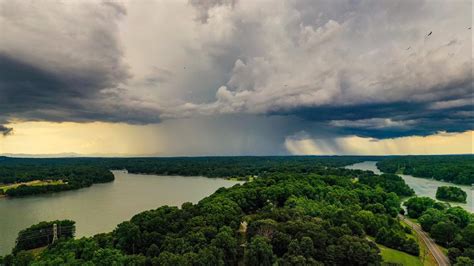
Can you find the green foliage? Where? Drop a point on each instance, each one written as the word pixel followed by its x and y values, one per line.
pixel 397 240
pixel 417 205
pixel 390 183
pixel 444 232
pixel 458 169
pixel 452 228
pixel 259 252
pixel 75 173
pixel 41 234
pixel 312 216
pixel 464 261
pixel 451 194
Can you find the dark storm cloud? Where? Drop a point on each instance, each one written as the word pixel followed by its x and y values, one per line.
pixel 341 67
pixel 388 120
pixel 60 63
pixel 31 93
pixel 344 66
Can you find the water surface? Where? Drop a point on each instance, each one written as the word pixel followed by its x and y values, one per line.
pixel 421 186
pixel 101 207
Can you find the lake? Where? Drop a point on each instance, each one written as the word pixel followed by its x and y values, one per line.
pixel 101 207
pixel 421 186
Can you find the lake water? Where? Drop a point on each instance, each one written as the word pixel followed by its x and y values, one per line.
pixel 101 207
pixel 421 186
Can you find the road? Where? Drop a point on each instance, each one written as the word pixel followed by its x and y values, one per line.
pixel 439 256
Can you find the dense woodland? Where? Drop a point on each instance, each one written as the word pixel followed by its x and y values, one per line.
pixel 449 193
pixel 458 169
pixel 451 227
pixel 288 217
pixel 76 173
pixel 83 172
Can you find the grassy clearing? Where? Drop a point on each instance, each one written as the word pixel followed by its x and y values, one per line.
pixel 395 256
pixel 31 183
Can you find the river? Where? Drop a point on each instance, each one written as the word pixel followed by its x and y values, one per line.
pixel 101 207
pixel 421 186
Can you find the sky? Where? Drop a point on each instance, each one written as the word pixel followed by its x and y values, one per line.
pixel 236 77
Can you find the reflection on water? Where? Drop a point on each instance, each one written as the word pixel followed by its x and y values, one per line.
pixel 421 186
pixel 101 207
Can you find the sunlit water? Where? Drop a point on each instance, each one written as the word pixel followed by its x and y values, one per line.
pixel 101 207
pixel 421 186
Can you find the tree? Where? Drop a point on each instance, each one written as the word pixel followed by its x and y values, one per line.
pixel 417 205
pixel 23 258
pixel 306 247
pixel 127 235
pixel 169 259
pixel 227 243
pixel 259 252
pixel 459 216
pixel 464 261
pixel 431 217
pixel 451 193
pixel 444 232
pixel 468 234
pixel 153 251
pixel 107 256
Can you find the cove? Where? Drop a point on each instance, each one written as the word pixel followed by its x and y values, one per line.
pixel 101 207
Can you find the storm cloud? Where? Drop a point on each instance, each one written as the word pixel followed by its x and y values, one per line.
pixel 341 68
pixel 62 61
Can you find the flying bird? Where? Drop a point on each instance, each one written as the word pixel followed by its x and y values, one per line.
pixel 469 28
pixel 408 48
pixel 429 34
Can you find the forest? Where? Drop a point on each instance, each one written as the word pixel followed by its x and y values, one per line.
pixel 83 172
pixel 330 216
pixel 449 193
pixel 75 173
pixel 451 227
pixel 458 169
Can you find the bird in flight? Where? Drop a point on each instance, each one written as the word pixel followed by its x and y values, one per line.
pixel 408 48
pixel 429 34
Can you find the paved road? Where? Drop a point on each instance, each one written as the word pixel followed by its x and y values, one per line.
pixel 441 259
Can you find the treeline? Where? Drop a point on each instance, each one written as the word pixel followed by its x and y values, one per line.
pixel 279 218
pixel 75 173
pixel 449 193
pixel 241 166
pixel 451 227
pixel 458 169
pixel 83 172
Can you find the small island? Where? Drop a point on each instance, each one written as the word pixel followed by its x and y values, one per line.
pixel 449 193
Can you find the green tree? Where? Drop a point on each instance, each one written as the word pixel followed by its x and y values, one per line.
pixel 259 252
pixel 444 232
pixel 227 243
pixel 417 205
pixel 127 235
pixel 153 251
pixel 464 261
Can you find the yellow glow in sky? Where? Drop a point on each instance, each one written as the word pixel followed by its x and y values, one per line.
pixel 118 139
pixel 441 143
pixel 82 138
